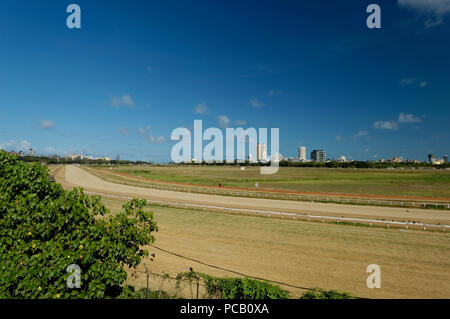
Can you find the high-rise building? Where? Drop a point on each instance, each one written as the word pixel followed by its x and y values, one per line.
pixel 261 152
pixel 431 158
pixel 318 156
pixel 445 158
pixel 302 153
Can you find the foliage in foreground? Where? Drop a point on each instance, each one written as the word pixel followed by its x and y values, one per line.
pixel 44 229
pixel 236 288
pixel 326 294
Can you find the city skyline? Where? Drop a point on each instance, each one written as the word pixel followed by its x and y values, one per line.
pixel 120 85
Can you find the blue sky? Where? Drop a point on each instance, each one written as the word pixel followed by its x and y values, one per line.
pixel 136 70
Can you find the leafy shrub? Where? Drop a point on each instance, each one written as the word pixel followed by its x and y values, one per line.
pixel 324 294
pixel 237 288
pixel 43 229
pixel 245 288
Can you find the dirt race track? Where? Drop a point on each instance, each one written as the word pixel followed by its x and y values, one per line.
pixel 414 263
pixel 72 176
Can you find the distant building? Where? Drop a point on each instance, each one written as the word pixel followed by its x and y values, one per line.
pixel 395 160
pixel 31 152
pixel 445 158
pixel 73 157
pixel 261 152
pixel 277 157
pixel 318 156
pixel 431 158
pixel 302 153
pixel 342 158
pixel 118 158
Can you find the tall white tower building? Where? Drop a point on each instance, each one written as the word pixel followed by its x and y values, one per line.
pixel 261 152
pixel 302 153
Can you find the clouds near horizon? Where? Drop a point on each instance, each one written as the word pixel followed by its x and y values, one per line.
pixel 433 11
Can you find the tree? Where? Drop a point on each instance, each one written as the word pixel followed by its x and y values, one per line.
pixel 44 229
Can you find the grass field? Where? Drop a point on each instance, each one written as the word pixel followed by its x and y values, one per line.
pixel 408 182
pixel 414 264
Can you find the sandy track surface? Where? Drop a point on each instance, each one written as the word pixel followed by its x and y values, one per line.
pixel 72 176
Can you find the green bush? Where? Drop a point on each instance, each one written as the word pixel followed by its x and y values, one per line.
pixel 243 288
pixel 43 229
pixel 236 288
pixel 324 294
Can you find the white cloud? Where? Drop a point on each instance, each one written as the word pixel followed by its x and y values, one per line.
pixel 13 145
pixel 360 134
pixel 408 118
pixel 149 136
pixel 385 125
pixel 255 102
pixel 409 80
pixel 224 121
pixel 201 108
pixel 413 81
pixel 8 145
pixel 432 10
pixel 25 145
pixel 46 124
pixel 124 100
